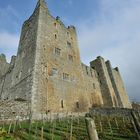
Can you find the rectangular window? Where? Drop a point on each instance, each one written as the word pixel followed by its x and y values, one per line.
pixel 69 44
pixel 57 51
pixel 44 69
pixel 54 72
pixel 65 76
pixel 71 58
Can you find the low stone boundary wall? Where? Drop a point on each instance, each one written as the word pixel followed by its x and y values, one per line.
pixel 112 111
pixel 13 109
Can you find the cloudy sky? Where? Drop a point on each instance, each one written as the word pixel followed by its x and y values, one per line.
pixel 110 28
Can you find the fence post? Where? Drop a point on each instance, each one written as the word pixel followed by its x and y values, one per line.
pixel 91 128
pixel 136 124
pixel 71 128
pixel 116 122
pixel 42 132
pixel 136 121
pixel 135 128
pixel 9 129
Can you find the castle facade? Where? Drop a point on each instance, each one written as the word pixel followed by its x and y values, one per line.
pixel 48 73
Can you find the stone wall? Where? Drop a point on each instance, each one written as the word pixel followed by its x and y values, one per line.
pixel 11 109
pixel 110 112
pixel 92 86
pixel 121 89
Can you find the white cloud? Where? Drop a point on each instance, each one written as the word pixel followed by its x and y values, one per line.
pixel 8 40
pixel 8 44
pixel 10 19
pixel 116 36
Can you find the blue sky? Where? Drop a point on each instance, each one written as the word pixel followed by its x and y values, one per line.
pixel 105 27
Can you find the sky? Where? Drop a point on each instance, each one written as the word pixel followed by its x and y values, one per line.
pixel 109 28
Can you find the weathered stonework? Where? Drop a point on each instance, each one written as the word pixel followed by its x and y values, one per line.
pixel 48 73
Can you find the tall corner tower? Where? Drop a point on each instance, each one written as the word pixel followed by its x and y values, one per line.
pixel 18 81
pixel 57 66
pixel 108 94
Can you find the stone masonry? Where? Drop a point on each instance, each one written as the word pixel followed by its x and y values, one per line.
pixel 48 73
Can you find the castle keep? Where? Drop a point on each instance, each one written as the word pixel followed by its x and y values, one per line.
pixel 48 73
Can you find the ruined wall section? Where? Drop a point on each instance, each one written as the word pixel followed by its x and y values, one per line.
pixel 17 83
pixel 92 86
pixel 4 66
pixel 5 69
pixel 114 84
pixel 108 94
pixel 121 89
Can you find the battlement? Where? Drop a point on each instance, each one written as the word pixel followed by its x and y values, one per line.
pixel 100 57
pixel 4 65
pixel 13 60
pixel 3 58
pixel 117 69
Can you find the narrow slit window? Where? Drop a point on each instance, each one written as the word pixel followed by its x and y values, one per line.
pixel 62 104
pixel 77 105
pixel 100 82
pixel 55 36
pixel 94 87
pixel 91 72
pixel 87 70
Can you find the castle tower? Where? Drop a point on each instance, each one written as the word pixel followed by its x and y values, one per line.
pixel 118 86
pixel 57 79
pixel 110 71
pixel 108 94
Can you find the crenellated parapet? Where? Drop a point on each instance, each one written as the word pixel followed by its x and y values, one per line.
pixel 4 65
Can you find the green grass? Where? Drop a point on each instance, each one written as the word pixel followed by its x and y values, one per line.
pixel 61 129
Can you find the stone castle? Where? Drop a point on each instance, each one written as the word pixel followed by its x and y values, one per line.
pixel 48 73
